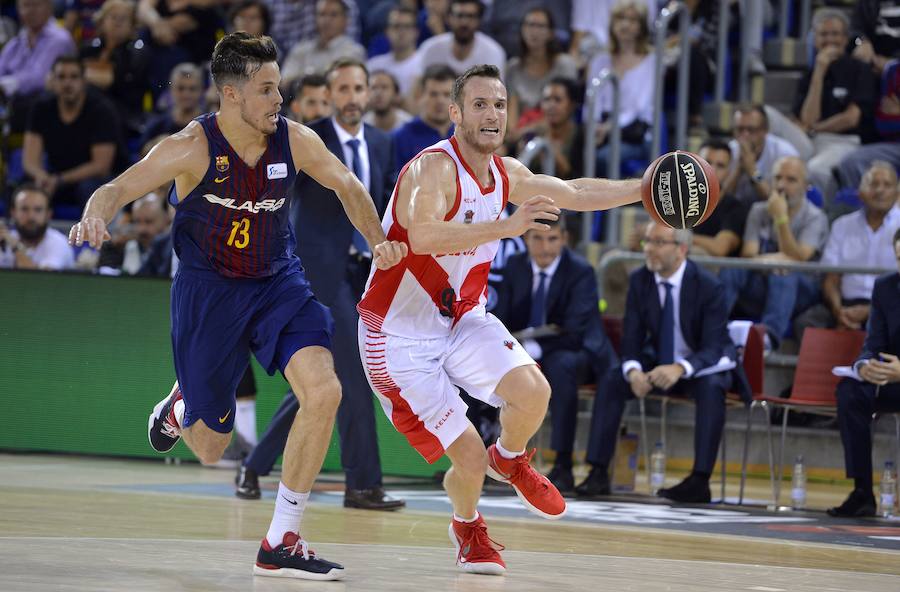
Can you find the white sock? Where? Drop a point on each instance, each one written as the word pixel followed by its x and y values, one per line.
pixel 245 420
pixel 466 520
pixel 506 453
pixel 178 409
pixel 289 506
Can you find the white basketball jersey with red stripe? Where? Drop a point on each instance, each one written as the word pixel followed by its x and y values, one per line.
pixel 424 296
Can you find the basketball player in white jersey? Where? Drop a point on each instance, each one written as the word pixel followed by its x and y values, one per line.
pixel 423 326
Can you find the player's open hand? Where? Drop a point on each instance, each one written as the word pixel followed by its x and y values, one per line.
pixel 531 214
pixel 389 254
pixel 91 230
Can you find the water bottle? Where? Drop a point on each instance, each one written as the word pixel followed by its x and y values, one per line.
pixel 657 468
pixel 888 490
pixel 798 485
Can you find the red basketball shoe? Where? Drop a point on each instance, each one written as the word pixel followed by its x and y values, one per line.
pixel 536 492
pixel 475 551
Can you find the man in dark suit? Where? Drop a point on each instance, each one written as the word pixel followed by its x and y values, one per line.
pixel 675 327
pixel 878 391
pixel 548 298
pixel 337 259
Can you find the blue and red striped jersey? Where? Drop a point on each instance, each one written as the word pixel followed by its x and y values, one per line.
pixel 236 222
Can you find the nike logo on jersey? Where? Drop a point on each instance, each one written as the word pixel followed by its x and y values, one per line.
pixel 266 205
pixel 224 417
pixel 218 180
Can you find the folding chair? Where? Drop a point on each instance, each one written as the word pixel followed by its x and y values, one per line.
pixel 814 384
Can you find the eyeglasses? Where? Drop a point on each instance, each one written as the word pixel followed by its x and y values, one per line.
pixel 657 242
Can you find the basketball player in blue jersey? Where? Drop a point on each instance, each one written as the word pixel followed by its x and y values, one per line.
pixel 239 287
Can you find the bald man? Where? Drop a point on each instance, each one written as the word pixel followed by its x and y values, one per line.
pixel 785 227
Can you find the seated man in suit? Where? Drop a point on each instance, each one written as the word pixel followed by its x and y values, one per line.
pixel 675 327
pixel 548 299
pixel 879 391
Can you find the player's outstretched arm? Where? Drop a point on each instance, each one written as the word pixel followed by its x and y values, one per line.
pixel 581 195
pixel 432 179
pixel 181 153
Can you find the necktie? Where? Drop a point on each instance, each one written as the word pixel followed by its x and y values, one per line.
pixel 667 328
pixel 359 241
pixel 539 303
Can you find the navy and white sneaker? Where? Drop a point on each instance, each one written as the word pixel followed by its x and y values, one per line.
pixel 162 427
pixel 294 559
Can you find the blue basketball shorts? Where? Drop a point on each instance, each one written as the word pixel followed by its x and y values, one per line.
pixel 217 322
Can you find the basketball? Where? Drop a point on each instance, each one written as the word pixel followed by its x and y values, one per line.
pixel 680 189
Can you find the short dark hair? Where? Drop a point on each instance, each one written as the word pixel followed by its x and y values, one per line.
pixel 716 144
pixel 68 58
pixel 553 48
pixel 245 4
pixel 748 108
pixel 404 10
pixel 240 55
pixel 342 63
pixel 308 81
pixel 391 77
pixel 572 90
pixel 32 188
pixel 479 71
pixel 478 2
pixel 438 73
pixel 344 8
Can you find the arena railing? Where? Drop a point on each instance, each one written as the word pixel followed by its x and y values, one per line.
pixel 617 255
pixel 535 147
pixel 613 162
pixel 722 51
pixel 661 25
pixel 783 14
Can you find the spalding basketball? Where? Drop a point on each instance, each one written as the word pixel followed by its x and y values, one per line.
pixel 680 189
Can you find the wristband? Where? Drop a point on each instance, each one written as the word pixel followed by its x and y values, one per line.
pixel 782 220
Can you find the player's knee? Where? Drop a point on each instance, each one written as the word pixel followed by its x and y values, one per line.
pixel 536 391
pixel 211 452
pixel 324 400
pixel 473 464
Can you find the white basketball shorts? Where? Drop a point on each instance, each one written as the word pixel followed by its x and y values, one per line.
pixel 416 380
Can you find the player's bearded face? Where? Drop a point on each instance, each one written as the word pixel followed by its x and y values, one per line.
pixel 483 119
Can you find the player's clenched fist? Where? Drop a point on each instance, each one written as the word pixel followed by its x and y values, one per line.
pixel 90 230
pixel 389 254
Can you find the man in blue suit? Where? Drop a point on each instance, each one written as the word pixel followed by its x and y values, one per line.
pixel 879 391
pixel 675 327
pixel 336 259
pixel 554 290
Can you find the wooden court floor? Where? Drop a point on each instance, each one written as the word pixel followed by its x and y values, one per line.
pixel 79 524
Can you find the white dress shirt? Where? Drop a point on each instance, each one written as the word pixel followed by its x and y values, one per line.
pixel 682 351
pixel 853 242
pixel 531 346
pixel 344 137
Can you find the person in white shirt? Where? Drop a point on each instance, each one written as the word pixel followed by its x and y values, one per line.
pixel 464 46
pixel 402 62
pixel 861 238
pixel 754 152
pixel 331 42
pixel 31 243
